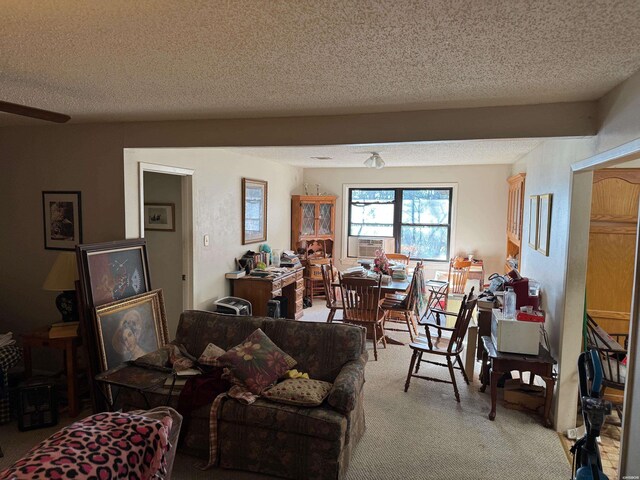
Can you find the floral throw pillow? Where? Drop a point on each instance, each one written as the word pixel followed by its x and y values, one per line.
pixel 257 362
pixel 299 391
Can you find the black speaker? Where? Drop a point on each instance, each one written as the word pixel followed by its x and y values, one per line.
pixel 37 406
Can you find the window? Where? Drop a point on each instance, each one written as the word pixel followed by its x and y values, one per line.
pixel 419 219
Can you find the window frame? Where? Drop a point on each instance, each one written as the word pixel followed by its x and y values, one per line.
pixel 397 220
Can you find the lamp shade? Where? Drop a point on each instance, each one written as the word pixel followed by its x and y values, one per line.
pixel 63 274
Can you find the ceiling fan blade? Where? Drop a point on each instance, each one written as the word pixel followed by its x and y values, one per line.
pixel 32 112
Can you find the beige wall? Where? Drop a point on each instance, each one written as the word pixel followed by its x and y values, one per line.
pixel 217 205
pixel 164 248
pixel 548 169
pixel 481 191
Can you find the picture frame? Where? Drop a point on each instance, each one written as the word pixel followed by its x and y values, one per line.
pixel 533 221
pixel 62 219
pixel 160 217
pixel 544 223
pixel 254 211
pixel 108 272
pixel 113 271
pixel 130 328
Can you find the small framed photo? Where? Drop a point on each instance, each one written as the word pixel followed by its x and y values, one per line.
pixel 62 217
pixel 544 223
pixel 533 221
pixel 160 216
pixel 254 211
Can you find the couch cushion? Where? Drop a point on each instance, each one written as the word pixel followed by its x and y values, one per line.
pixel 257 362
pixel 197 329
pixel 299 391
pixel 322 422
pixel 321 349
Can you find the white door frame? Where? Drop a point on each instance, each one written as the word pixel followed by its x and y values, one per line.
pixel 187 220
pixel 630 436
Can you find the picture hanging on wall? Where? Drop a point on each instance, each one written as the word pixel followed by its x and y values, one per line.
pixel 533 221
pixel 160 216
pixel 62 220
pixel 544 223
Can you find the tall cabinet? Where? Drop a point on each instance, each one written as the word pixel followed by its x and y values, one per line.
pixel 313 220
pixel 515 208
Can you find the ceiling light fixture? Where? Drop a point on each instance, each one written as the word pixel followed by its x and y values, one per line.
pixel 374 161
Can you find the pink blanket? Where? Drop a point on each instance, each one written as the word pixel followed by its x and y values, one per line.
pixel 102 446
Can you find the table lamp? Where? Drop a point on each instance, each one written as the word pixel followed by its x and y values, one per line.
pixel 62 278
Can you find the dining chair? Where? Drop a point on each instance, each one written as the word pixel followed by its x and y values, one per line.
pixel 333 303
pixel 313 283
pixel 458 274
pixel 361 301
pixel 402 308
pixel 398 257
pixel 450 348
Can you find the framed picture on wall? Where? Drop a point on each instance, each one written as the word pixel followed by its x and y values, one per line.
pixel 254 211
pixel 62 217
pixel 160 216
pixel 533 221
pixel 544 223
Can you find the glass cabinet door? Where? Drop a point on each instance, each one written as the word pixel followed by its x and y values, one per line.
pixel 308 219
pixel 324 220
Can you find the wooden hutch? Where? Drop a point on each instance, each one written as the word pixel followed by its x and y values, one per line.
pixel 515 208
pixel 313 219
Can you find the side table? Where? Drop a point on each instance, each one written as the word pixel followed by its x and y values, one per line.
pixel 495 364
pixel 69 346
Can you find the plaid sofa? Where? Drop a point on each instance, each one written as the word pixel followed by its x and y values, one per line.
pixel 9 356
pixel 274 438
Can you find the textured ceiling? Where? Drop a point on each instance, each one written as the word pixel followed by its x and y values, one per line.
pixel 122 60
pixel 422 154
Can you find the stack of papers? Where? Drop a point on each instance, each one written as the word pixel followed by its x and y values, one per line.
pixel 354 272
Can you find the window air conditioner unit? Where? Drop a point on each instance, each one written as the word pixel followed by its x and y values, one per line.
pixel 367 247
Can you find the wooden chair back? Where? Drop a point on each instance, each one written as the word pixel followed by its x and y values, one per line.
pixel 458 274
pixel 611 349
pixel 398 257
pixel 327 279
pixel 456 344
pixel 361 298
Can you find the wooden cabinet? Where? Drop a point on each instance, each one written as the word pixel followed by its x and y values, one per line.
pixel 313 219
pixel 259 291
pixel 515 208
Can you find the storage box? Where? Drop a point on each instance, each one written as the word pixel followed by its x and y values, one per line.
pixel 513 336
pixel 523 396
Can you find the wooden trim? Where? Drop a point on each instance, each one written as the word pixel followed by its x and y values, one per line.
pixel 615 218
pixel 613 228
pixel 609 314
pixel 629 175
pixel 518 177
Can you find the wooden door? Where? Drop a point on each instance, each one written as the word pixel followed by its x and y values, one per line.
pixel 612 241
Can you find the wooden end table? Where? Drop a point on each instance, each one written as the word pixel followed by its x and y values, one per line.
pixel 495 364
pixel 69 346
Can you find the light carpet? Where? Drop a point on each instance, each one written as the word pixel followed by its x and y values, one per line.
pixel 420 434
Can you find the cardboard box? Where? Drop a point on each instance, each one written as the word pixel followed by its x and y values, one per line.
pixel 523 396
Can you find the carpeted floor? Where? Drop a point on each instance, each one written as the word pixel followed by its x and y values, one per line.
pixel 420 434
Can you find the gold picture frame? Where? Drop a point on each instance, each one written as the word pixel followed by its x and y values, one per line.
pixel 254 211
pixel 130 328
pixel 544 223
pixel 533 221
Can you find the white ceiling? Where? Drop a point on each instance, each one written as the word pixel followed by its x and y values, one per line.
pixel 422 154
pixel 122 60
